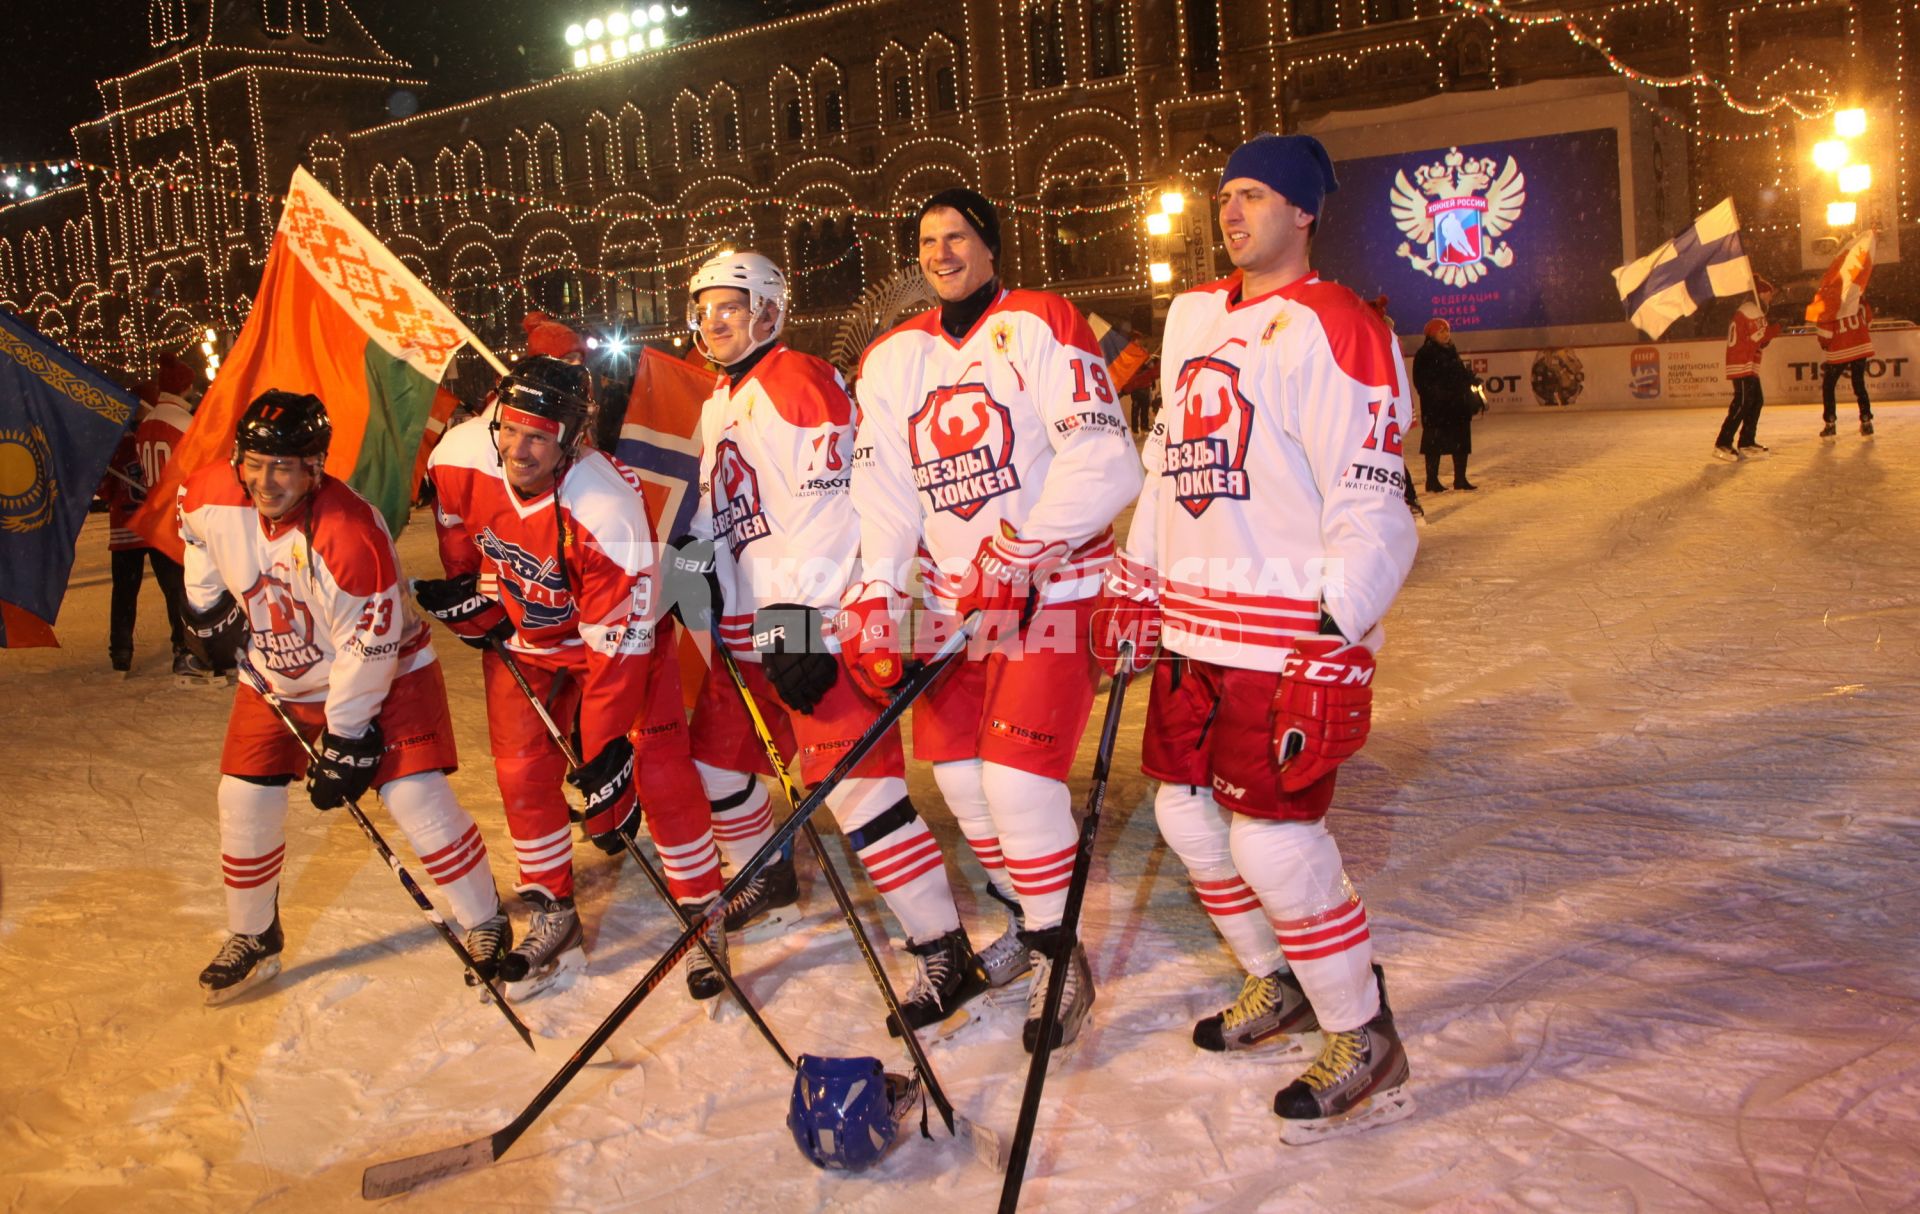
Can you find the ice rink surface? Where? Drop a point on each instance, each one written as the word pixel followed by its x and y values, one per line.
pixel 1636 827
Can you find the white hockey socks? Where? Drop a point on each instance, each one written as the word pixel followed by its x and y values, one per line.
pixel 448 843
pixel 1295 869
pixel 742 812
pixel 1195 826
pixel 1034 816
pixel 253 844
pixel 901 856
pixel 962 788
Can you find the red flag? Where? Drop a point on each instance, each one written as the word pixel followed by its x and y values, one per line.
pixel 1844 282
pixel 21 629
pixel 660 440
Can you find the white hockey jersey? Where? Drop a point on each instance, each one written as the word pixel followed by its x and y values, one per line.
pixel 574 570
pixel 1017 422
pixel 320 589
pixel 1275 477
pixel 775 465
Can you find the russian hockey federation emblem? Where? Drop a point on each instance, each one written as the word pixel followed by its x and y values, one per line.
pixel 961 441
pixel 1206 458
pixel 282 627
pixel 1453 213
pixel 737 513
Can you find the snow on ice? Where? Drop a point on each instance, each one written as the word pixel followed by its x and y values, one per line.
pixel 1636 829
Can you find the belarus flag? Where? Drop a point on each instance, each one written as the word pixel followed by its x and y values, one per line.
pixel 339 316
pixel 1844 282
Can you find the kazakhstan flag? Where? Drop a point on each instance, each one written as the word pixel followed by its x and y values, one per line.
pixel 59 423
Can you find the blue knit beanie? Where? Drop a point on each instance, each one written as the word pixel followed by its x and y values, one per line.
pixel 1297 166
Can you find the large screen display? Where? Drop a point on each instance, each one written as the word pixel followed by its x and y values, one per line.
pixel 1515 234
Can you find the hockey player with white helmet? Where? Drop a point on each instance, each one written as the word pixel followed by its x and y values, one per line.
pixel 1267 545
pixel 776 454
pixel 298 570
pixel 991 446
pixel 562 529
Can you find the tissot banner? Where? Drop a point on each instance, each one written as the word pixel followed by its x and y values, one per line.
pixel 1515 234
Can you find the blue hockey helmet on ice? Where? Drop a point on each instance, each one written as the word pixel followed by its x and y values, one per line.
pixel 845 1111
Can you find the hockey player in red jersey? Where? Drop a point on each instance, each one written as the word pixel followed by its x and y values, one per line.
pixel 777 453
pixel 562 530
pixel 1267 545
pixel 299 571
pixel 1748 335
pixel 991 446
pixel 1847 342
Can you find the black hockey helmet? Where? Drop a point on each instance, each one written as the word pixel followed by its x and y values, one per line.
pixel 544 389
pixel 284 423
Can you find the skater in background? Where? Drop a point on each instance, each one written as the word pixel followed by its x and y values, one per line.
pixel 1447 405
pixel 1747 338
pixel 1848 342
pixel 151 439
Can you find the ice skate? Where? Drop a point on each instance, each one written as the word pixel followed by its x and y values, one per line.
pixel 189 671
pixel 703 978
pixel 768 905
pixel 1270 1015
pixel 487 943
pixel 1357 1082
pixel 1076 997
pixel 243 963
pixel 1828 430
pixel 1754 451
pixel 1866 427
pixel 1006 960
pixel 949 975
pixel 1726 453
pixel 549 952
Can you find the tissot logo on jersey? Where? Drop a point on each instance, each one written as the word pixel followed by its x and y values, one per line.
pixel 1208 459
pixel 535 583
pixel 282 627
pixel 737 513
pixel 961 441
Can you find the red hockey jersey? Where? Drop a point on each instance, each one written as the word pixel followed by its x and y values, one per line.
pixel 575 569
pixel 1275 476
pixel 1747 338
pixel 1016 422
pixel 320 589
pixel 775 469
pixel 1847 338
pixel 148 449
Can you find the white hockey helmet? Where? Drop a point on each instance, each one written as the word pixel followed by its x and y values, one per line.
pixel 746 271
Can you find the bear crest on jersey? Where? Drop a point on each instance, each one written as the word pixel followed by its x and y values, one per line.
pixel 1207 458
pixel 282 627
pixel 536 584
pixel 737 512
pixel 961 441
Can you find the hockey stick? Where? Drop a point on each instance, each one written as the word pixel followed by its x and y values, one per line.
pixel 401 1175
pixel 986 1144
pixel 659 884
pixel 368 829
pixel 1069 936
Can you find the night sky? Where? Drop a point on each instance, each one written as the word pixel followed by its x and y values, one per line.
pixel 464 48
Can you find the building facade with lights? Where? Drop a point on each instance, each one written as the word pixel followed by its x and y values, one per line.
pixel 813 135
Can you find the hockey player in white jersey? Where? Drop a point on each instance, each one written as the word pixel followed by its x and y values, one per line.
pixel 991 447
pixel 1267 545
pixel 777 451
pixel 298 570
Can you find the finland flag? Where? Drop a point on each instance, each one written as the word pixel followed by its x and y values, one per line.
pixel 1700 263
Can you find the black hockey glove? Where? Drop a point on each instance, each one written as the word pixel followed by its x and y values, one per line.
pixel 691 582
pixel 457 602
pixel 216 634
pixel 796 659
pixel 343 771
pixel 606 781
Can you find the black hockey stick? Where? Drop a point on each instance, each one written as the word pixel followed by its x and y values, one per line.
pixel 367 828
pixel 985 1143
pixel 1069 936
pixel 659 884
pixel 401 1175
